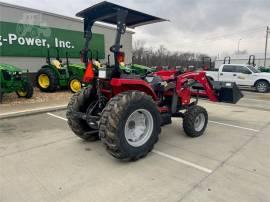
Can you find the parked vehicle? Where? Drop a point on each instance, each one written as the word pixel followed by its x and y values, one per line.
pixel 126 111
pixel 242 75
pixel 12 80
pixel 56 75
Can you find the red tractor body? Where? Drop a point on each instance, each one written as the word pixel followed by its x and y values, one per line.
pixel 127 111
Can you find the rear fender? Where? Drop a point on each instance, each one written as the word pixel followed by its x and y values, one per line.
pixel 122 85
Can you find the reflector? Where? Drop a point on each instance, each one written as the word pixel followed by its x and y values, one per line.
pixel 89 73
pixel 120 57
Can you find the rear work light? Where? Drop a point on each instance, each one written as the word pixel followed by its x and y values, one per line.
pixel 89 73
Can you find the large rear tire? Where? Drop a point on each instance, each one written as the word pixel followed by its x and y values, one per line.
pixel 195 121
pixel 79 102
pixel 46 79
pixel 130 125
pixel 26 91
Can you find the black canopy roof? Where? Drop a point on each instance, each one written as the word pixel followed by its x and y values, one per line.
pixel 107 12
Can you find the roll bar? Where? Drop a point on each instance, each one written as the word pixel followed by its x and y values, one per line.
pixel 227 58
pixel 252 58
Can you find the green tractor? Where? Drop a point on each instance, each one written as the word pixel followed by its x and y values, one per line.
pixel 251 61
pixel 136 69
pixel 12 80
pixel 264 69
pixel 55 75
pixel 131 68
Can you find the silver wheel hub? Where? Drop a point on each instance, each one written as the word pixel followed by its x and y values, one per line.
pixel 262 87
pixel 139 127
pixel 199 122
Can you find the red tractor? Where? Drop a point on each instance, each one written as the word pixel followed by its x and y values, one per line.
pixel 127 111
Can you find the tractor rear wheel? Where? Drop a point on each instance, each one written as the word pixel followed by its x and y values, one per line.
pixel 46 79
pixel 195 121
pixel 26 91
pixel 74 84
pixel 130 125
pixel 79 102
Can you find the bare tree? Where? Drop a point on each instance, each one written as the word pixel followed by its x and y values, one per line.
pixel 163 57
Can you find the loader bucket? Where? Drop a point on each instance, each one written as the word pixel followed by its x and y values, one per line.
pixel 227 91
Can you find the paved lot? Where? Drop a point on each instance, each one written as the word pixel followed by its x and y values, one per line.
pixel 41 160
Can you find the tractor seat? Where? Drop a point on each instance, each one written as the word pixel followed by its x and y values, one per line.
pixel 154 81
pixel 159 85
pixel 56 63
pixel 130 76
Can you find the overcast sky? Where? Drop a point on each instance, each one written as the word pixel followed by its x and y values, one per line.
pixel 207 26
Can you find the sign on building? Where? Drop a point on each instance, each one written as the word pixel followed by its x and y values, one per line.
pixel 26 40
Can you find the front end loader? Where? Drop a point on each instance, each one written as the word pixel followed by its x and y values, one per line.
pixel 127 111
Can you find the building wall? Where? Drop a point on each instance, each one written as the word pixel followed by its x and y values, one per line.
pixel 15 14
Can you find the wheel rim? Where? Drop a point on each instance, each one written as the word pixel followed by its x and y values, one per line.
pixel 22 93
pixel 43 81
pixel 75 85
pixel 199 122
pixel 139 127
pixel 262 87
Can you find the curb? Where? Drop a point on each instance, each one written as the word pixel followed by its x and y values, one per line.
pixel 32 112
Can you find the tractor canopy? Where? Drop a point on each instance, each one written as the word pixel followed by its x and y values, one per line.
pixel 107 12
pixel 9 68
pixel 116 15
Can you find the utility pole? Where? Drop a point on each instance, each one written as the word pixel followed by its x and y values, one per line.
pixel 266 43
pixel 238 47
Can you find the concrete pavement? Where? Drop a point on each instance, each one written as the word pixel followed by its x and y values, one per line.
pixel 42 160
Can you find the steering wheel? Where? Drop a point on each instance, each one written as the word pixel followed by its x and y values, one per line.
pixel 112 48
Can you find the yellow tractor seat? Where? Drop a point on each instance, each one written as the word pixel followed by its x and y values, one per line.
pixel 56 63
pixel 97 63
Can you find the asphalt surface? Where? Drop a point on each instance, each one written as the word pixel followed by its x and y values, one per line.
pixel 42 160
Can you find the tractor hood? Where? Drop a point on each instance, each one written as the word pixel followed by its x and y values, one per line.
pixel 9 68
pixel 141 67
pixel 79 66
pixel 107 12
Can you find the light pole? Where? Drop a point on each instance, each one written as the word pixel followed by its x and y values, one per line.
pixel 238 47
pixel 266 43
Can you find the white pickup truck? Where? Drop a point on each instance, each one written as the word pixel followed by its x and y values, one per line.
pixel 242 75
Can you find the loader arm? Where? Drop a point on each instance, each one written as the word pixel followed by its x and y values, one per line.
pixel 215 91
pixel 200 77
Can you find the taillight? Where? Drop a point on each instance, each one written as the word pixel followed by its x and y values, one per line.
pixel 120 57
pixel 89 73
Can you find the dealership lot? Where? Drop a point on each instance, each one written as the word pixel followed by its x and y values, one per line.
pixel 41 160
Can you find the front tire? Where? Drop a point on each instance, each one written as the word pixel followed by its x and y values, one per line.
pixel 195 121
pixel 79 102
pixel 130 125
pixel 75 84
pixel 262 86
